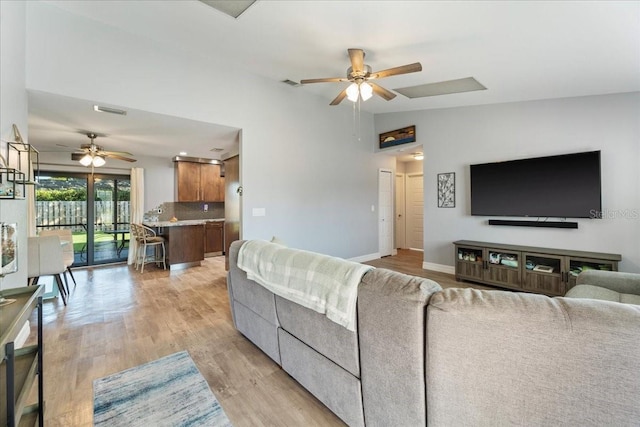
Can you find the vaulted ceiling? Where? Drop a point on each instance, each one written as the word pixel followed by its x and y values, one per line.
pixel 519 50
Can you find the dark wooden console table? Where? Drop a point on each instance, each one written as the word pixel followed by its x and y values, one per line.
pixel 527 268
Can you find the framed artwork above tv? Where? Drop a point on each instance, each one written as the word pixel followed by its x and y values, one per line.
pixel 398 137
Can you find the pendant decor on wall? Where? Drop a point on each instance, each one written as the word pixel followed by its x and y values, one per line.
pixel 398 137
pixel 447 190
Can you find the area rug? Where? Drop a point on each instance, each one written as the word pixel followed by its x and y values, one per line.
pixel 166 392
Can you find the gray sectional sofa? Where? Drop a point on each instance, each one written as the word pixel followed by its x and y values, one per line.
pixel 422 355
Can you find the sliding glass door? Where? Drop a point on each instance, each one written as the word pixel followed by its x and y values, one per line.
pixel 111 204
pixel 100 228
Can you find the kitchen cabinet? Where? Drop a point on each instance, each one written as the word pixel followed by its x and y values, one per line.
pixel 214 236
pixel 19 368
pixel 199 182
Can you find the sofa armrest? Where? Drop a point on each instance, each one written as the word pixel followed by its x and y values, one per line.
pixel 625 283
pixel 391 334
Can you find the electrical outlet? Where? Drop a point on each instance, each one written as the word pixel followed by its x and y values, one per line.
pixel 206 207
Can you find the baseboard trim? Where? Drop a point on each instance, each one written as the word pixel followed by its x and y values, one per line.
pixel 449 269
pixel 365 258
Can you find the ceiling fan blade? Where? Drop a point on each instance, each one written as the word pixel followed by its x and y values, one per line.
pixel 327 80
pixel 357 59
pixel 403 69
pixel 117 157
pixel 342 95
pixel 117 153
pixel 380 91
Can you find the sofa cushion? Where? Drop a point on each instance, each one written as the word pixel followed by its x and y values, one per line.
pixel 600 293
pixel 335 342
pixel 336 388
pixel 508 358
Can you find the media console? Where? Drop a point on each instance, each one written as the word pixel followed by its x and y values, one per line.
pixel 526 268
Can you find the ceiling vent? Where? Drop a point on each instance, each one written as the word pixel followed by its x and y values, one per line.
pixel 102 109
pixel 468 84
pixel 291 83
pixel 217 149
pixel 233 8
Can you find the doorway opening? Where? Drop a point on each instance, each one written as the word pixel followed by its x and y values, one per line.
pixel 409 202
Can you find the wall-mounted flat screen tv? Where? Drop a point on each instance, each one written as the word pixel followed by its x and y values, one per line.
pixel 565 186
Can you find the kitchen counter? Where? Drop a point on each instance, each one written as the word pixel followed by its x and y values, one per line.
pixel 180 223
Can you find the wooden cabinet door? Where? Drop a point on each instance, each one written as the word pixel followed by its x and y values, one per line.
pixel 214 237
pixel 503 268
pixel 188 181
pixel 469 263
pixel 211 183
pixel 544 274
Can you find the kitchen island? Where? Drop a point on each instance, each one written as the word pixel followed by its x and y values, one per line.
pixel 186 240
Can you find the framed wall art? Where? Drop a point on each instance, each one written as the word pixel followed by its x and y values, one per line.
pixel 447 190
pixel 398 137
pixel 9 248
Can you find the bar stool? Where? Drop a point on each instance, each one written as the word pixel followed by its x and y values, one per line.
pixel 149 238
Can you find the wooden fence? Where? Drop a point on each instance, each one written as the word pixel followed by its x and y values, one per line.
pixel 55 214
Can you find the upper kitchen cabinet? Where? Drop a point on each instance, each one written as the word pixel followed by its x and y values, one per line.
pixel 199 182
pixel 211 183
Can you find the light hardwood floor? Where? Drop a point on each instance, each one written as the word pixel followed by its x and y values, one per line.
pixel 117 318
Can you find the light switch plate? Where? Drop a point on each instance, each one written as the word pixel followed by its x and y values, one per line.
pixel 259 212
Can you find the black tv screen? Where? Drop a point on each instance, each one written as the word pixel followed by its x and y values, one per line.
pixel 565 186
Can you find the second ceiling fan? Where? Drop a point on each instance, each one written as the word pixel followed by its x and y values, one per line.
pixel 94 155
pixel 360 76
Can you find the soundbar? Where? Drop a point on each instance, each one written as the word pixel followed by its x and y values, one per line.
pixel 549 224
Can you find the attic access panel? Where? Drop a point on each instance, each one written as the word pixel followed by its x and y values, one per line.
pixel 233 8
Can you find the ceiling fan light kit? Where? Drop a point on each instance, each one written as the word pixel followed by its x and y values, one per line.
pixel 359 75
pixel 92 160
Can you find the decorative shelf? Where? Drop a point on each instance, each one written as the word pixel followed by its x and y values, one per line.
pixel 12 184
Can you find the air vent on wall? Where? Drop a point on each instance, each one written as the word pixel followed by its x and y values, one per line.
pixel 468 84
pixel 233 8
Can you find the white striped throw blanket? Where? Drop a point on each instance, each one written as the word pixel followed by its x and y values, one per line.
pixel 322 283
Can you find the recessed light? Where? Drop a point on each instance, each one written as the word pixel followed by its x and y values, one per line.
pixel 183 153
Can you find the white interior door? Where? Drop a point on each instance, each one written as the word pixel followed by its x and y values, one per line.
pixel 415 211
pixel 385 212
pixel 401 222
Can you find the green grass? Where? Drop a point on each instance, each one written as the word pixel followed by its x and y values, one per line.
pixel 80 239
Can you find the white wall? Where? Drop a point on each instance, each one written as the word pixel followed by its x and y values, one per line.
pixel 298 153
pixel 13 109
pixel 457 137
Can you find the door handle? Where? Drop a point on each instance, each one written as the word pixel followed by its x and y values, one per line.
pixel 239 191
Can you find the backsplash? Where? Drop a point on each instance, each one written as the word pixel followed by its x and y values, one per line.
pixel 185 211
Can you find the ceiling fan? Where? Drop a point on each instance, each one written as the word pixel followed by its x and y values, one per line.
pixel 94 155
pixel 360 76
